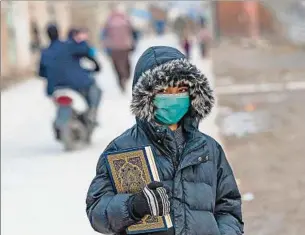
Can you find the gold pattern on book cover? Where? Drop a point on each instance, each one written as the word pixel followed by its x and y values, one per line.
pixel 130 174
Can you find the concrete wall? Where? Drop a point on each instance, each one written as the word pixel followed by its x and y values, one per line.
pixel 21 18
pixel 91 15
pixel 45 12
pixel 16 17
pixel 63 17
pixel 246 19
pixel 17 38
pixel 39 14
pixel 291 16
pixel 276 20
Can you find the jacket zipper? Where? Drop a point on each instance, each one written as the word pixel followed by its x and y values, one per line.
pixel 174 160
pixel 184 153
pixel 175 164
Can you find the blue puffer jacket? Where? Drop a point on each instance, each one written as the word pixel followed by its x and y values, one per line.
pixel 204 196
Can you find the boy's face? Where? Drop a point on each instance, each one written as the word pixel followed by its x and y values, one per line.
pixel 174 90
pixel 171 105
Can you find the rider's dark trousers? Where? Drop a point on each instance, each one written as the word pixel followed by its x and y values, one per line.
pixel 92 95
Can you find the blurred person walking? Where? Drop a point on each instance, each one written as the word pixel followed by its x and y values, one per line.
pixel 187 43
pixel 35 40
pixel 119 41
pixel 158 17
pixel 204 38
pixel 159 26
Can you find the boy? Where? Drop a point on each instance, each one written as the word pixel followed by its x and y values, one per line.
pixel 170 97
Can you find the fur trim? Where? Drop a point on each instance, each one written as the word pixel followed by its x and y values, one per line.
pixel 171 74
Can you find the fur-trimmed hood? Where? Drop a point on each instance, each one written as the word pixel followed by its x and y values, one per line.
pixel 160 67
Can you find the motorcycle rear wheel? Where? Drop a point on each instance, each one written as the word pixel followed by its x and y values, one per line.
pixel 74 136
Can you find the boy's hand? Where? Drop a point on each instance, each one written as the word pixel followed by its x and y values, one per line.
pixel 153 200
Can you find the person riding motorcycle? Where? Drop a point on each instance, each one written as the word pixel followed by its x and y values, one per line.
pixel 60 65
pixel 81 79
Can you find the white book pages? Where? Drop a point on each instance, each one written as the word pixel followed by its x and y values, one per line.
pixel 154 170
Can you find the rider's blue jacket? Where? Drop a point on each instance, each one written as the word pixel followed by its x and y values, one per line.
pixel 60 65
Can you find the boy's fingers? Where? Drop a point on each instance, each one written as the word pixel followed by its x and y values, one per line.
pixel 154 185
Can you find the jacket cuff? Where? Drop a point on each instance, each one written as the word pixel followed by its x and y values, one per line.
pixel 118 213
pixel 130 209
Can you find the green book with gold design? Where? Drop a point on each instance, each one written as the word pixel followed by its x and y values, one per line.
pixel 131 170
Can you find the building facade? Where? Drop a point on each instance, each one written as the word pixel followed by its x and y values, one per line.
pixel 4 42
pixel 243 19
pixel 277 21
pixel 23 32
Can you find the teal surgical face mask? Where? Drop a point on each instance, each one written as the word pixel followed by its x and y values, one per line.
pixel 170 108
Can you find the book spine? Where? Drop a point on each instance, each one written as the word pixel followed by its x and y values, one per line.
pixel 154 170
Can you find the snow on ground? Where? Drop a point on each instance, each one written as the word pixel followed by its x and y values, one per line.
pixel 44 188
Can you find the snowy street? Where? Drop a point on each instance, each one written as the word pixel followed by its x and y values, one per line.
pixel 255 65
pixel 43 187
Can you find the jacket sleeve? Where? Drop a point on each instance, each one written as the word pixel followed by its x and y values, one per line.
pixel 108 212
pixel 228 200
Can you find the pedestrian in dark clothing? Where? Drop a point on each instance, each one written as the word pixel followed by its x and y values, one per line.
pixel 170 96
pixel 187 44
pixel 204 38
pixel 159 26
pixel 187 47
pixel 36 42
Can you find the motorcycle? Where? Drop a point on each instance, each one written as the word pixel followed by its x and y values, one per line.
pixel 73 126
